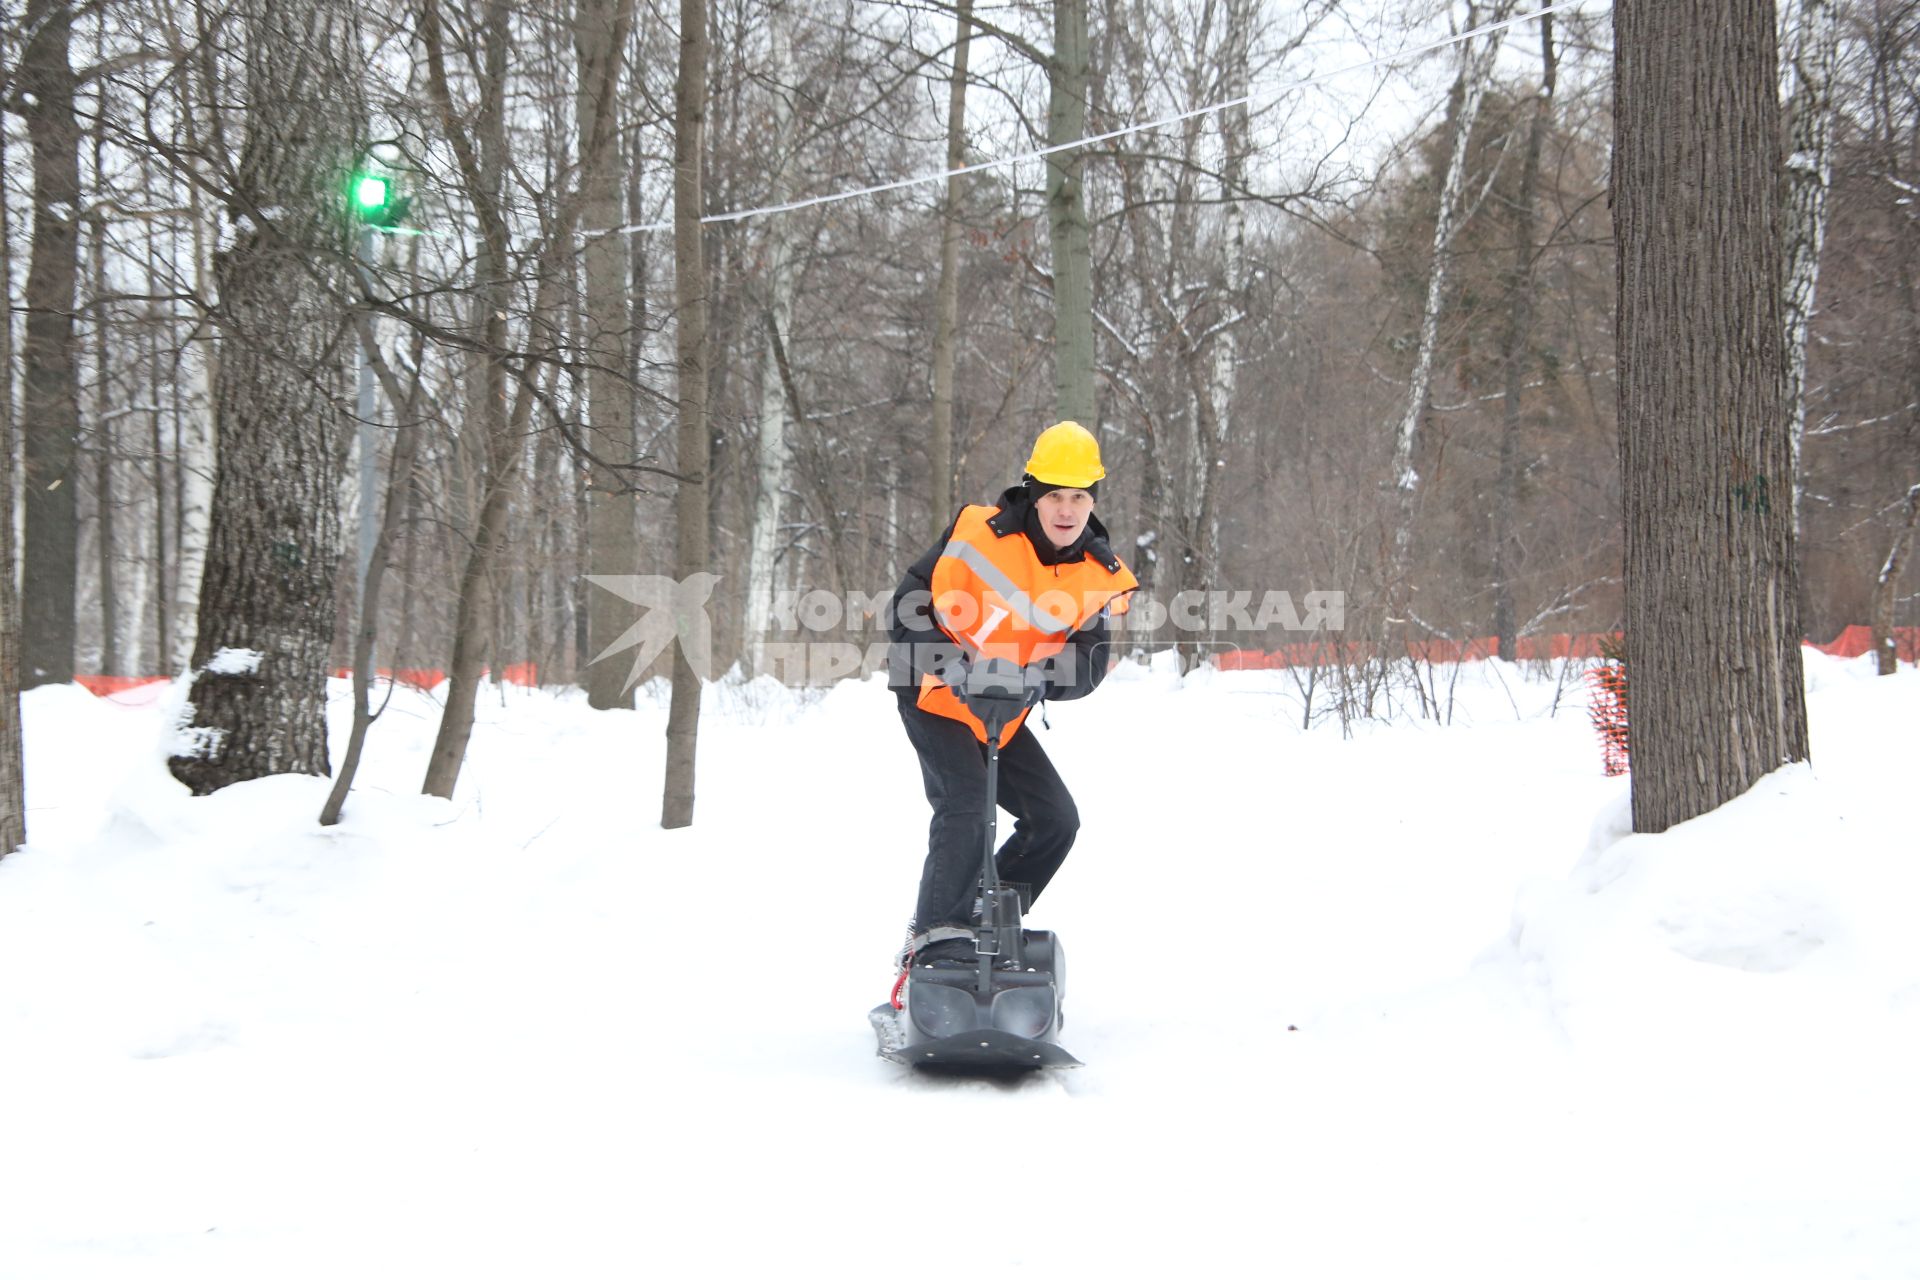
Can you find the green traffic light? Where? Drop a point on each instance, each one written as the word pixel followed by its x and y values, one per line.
pixel 371 193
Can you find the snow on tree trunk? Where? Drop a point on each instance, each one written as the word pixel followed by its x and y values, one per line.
pixel 1476 58
pixel 257 705
pixel 1712 612
pixel 1810 53
pixel 771 454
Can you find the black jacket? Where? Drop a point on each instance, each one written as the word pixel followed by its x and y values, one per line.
pixel 919 646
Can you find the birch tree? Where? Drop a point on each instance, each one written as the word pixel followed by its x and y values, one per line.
pixel 612 547
pixel 1811 46
pixel 1475 59
pixel 690 340
pixel 770 448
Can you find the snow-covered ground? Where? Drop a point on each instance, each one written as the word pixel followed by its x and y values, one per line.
pixel 1407 1004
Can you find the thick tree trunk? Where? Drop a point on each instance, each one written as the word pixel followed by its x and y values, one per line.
pixel 1811 52
pixel 1713 634
pixel 1886 589
pixel 612 548
pixel 258 701
pixel 690 342
pixel 50 382
pixel 947 297
pixel 1515 343
pixel 1067 226
pixel 771 448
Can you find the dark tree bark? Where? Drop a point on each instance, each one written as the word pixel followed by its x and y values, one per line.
pixel 258 701
pixel 51 399
pixel 690 341
pixel 13 806
pixel 480 149
pixel 1713 630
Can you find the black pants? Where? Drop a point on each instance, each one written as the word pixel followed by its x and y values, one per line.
pixel 953 764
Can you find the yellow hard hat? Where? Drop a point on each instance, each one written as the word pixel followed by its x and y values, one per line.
pixel 1066 456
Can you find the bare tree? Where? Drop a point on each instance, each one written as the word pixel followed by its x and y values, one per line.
pixel 600 37
pixel 481 158
pixel 1476 59
pixel 1068 230
pixel 690 341
pixel 947 299
pixel 763 536
pixel 1812 43
pixel 1515 345
pixel 1712 617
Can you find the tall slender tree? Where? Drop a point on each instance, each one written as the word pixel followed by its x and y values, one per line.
pixel 1515 344
pixel 771 448
pixel 1713 632
pixel 947 296
pixel 1813 39
pixel 1069 231
pixel 690 345
pixel 600 39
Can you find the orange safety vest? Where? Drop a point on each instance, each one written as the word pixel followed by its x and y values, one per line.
pixel 993 597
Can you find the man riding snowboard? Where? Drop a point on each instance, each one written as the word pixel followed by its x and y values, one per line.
pixel 1031 580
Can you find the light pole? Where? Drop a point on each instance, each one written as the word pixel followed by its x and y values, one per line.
pixel 374 206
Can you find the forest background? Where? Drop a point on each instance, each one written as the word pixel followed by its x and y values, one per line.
pixel 1352 334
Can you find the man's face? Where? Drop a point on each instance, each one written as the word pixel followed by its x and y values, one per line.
pixel 1063 514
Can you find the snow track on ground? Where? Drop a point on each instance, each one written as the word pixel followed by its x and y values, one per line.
pixel 1393 1004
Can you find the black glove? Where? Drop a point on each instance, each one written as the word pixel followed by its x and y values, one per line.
pixel 996 690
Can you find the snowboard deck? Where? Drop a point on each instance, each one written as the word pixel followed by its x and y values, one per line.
pixel 985 1050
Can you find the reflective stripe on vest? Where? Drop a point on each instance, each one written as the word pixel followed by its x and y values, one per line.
pixel 992 594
